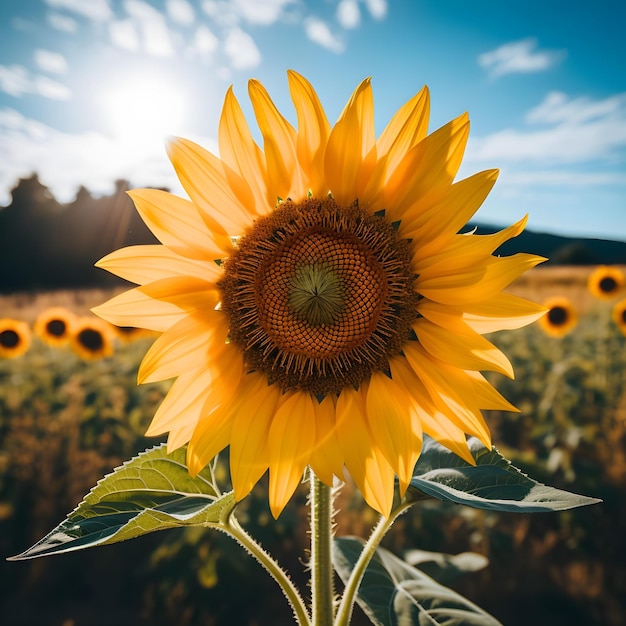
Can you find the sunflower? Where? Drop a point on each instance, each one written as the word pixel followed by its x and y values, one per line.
pixel 605 282
pixel 15 338
pixel 92 339
pixel 55 325
pixel 317 302
pixel 560 318
pixel 619 316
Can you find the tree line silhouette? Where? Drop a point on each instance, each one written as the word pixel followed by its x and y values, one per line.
pixel 47 245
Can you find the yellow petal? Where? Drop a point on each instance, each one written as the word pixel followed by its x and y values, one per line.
pixel 203 177
pixel 194 343
pixel 391 426
pixel 351 140
pixel 138 309
pixel 243 157
pixel 448 215
pixel 211 436
pixel 249 458
pixel 486 396
pixel 406 129
pixel 313 131
pixel 183 403
pixel 367 465
pixel 284 178
pixel 450 392
pixel 177 223
pixel 461 251
pixel 427 170
pixel 474 286
pixel 457 344
pixel 291 441
pixel 143 264
pixel 433 421
pixel 327 458
pixel 502 311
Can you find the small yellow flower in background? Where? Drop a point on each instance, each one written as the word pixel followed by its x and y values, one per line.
pixel 606 282
pixel 92 339
pixel 55 326
pixel 15 338
pixel 560 318
pixel 317 302
pixel 619 316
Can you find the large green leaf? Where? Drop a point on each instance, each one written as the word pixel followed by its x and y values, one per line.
pixel 393 593
pixel 151 492
pixel 493 483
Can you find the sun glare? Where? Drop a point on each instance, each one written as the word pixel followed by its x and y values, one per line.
pixel 144 107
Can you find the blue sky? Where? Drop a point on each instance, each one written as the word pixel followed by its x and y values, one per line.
pixel 89 89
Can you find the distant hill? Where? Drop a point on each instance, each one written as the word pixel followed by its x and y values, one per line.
pixel 561 250
pixel 47 245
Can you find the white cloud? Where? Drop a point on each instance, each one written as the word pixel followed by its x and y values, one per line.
pixel 204 43
pixel 241 50
pixel 221 12
pixel 264 12
pixel 180 11
pixel 558 108
pixel 17 81
pixel 229 13
pixel 51 62
pixel 49 88
pixel 124 35
pixel 155 34
pixel 519 57
pixel 348 13
pixel 318 32
pixel 377 8
pixel 580 130
pixel 62 22
pixel 97 10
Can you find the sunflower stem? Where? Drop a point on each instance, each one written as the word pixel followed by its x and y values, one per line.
pixel 346 605
pixel 235 530
pixel 322 590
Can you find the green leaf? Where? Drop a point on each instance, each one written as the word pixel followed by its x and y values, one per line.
pixel 445 568
pixel 493 483
pixel 152 491
pixel 393 593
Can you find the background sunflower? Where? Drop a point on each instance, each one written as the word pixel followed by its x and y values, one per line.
pixel 55 326
pixel 92 339
pixel 560 318
pixel 606 282
pixel 15 337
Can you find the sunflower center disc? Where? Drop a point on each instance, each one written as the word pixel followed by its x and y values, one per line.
pixel 319 296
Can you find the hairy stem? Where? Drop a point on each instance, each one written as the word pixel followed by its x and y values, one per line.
pixel 233 528
pixel 322 591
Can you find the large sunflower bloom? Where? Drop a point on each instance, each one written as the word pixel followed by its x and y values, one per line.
pixel 317 304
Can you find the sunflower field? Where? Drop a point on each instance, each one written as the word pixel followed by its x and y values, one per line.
pixel 70 412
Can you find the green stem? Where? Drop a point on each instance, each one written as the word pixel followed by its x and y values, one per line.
pixel 322 591
pixel 344 613
pixel 293 596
